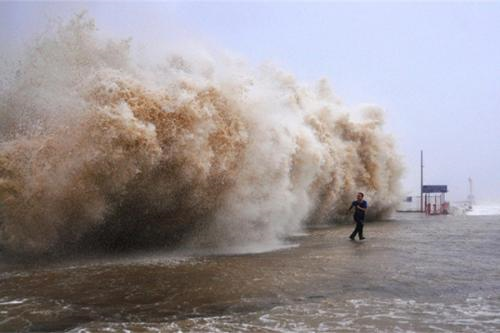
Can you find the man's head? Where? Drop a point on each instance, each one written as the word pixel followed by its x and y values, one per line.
pixel 360 196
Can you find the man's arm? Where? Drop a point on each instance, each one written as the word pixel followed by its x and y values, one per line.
pixel 362 208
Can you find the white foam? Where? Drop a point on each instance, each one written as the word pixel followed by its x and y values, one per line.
pixel 484 210
pixel 14 302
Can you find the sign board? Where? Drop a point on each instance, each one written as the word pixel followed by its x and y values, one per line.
pixel 435 188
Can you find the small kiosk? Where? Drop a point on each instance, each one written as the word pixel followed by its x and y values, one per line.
pixel 434 199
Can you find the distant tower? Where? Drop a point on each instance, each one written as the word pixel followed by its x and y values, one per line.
pixel 421 181
pixel 470 197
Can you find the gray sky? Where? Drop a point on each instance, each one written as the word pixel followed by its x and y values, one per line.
pixel 434 67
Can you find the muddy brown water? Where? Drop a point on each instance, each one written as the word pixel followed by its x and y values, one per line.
pixel 412 274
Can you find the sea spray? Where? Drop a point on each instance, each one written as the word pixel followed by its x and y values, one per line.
pixel 97 151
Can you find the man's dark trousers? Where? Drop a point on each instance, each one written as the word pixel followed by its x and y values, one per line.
pixel 359 228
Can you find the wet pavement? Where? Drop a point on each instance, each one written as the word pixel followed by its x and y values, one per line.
pixel 412 274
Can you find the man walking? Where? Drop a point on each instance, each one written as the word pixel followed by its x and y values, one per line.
pixel 360 207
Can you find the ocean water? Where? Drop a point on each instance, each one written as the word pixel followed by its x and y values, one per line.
pixel 413 273
pixel 485 209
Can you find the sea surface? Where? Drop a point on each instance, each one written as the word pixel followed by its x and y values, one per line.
pixel 413 273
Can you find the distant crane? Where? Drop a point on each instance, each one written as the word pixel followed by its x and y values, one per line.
pixel 470 197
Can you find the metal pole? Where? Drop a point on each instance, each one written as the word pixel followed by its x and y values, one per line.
pixel 421 180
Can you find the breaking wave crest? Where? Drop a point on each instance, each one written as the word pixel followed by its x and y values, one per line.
pixel 96 150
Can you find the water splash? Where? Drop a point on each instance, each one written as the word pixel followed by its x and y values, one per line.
pixel 98 151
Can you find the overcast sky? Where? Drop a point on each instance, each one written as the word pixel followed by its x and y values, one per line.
pixel 433 67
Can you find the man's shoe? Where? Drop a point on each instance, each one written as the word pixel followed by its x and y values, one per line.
pixel 361 238
pixel 351 237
